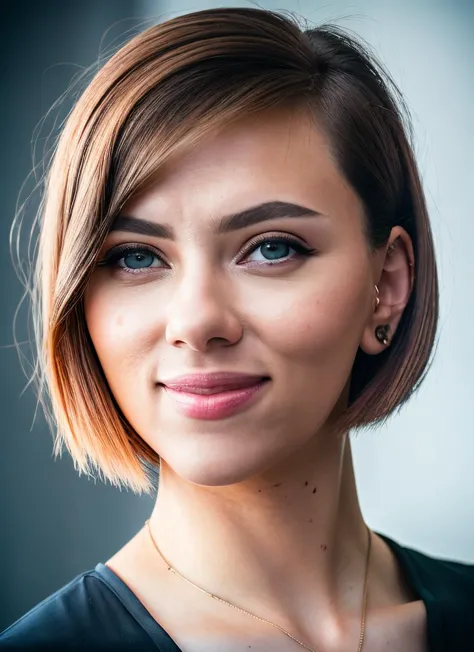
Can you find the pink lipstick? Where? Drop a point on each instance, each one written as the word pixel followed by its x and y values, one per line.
pixel 214 395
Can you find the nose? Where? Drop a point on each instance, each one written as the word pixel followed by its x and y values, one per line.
pixel 202 313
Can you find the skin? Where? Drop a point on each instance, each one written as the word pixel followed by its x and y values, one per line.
pixel 260 508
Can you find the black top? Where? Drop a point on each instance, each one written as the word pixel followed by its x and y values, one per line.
pixel 97 611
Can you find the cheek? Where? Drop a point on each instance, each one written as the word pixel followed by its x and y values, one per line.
pixel 311 321
pixel 118 329
pixel 312 336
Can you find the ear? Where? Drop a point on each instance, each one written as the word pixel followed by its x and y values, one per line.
pixel 395 287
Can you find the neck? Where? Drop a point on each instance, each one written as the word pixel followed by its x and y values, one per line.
pixel 291 537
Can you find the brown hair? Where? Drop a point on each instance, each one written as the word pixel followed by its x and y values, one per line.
pixel 172 85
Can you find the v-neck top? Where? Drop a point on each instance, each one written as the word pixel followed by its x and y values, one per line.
pixel 98 611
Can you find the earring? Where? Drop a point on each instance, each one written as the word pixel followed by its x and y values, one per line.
pixel 381 333
pixel 377 297
pixel 391 247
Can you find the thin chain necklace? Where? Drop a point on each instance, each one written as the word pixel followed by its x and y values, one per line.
pixel 364 600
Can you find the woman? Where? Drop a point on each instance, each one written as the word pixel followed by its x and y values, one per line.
pixel 236 268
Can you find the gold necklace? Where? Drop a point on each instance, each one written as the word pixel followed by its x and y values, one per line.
pixel 364 600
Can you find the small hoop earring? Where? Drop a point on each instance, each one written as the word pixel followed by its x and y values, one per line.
pixel 381 333
pixel 377 297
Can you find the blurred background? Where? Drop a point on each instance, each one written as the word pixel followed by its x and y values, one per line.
pixel 415 475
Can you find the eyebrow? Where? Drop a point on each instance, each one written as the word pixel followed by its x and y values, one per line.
pixel 253 215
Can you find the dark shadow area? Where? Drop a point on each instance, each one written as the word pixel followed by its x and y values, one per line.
pixel 55 524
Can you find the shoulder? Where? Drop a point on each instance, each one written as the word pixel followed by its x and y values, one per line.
pixel 447 588
pixel 83 614
pixel 446 578
pixel 450 582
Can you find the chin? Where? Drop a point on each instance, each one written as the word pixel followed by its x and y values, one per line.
pixel 214 475
pixel 211 469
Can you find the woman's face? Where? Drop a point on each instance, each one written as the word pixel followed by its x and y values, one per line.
pixel 286 298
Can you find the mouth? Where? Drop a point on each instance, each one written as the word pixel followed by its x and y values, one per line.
pixel 212 383
pixel 221 400
pixel 217 388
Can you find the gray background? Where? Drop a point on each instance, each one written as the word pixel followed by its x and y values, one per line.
pixel 55 524
pixel 414 475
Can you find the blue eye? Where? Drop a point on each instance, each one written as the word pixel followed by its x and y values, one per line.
pixel 139 259
pixel 135 259
pixel 276 250
pixel 273 250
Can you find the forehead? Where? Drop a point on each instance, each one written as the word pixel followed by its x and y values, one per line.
pixel 279 154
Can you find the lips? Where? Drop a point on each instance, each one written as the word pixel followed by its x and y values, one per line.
pixel 213 383
pixel 214 396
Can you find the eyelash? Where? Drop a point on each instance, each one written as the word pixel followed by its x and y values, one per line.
pixel 121 251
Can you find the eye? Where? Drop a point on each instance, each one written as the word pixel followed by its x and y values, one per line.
pixel 267 251
pixel 132 259
pixel 276 250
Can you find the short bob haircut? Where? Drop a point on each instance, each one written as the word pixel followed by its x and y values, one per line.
pixel 174 84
